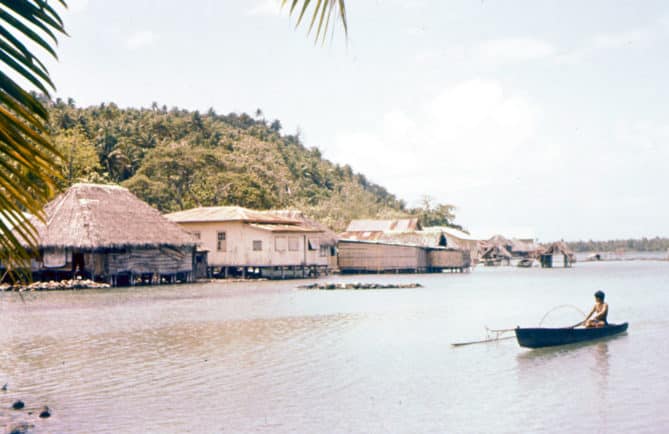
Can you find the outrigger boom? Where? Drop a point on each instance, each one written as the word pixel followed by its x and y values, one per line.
pixel 492 335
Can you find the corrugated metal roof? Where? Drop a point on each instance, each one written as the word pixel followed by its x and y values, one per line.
pixel 396 225
pixel 452 232
pixel 285 228
pixel 328 237
pixel 227 213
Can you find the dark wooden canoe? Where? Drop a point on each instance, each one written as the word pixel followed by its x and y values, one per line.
pixel 549 337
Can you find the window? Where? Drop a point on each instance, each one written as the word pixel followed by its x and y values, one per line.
pixel 293 244
pixel 220 243
pixel 280 244
pixel 324 250
pixel 257 245
pixel 314 243
pixel 197 235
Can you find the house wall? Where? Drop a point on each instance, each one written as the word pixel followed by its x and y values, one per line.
pixel 142 260
pixel 471 245
pixel 449 259
pixel 380 257
pixel 105 264
pixel 239 241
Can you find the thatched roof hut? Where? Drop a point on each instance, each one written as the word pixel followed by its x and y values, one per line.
pixel 494 252
pixel 106 233
pixel 95 217
pixel 558 248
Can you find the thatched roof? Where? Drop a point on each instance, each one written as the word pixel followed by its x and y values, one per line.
pixel 94 217
pixel 396 225
pixel 558 247
pixel 496 252
pixel 416 238
pixel 519 246
pixel 499 240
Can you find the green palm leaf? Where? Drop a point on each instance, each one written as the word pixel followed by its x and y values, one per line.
pixel 27 171
pixel 320 14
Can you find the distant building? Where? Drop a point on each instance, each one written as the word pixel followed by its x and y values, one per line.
pixel 557 254
pixel 373 230
pixel 106 233
pixel 499 250
pixel 357 256
pixel 495 255
pixel 457 239
pixel 398 245
pixel 244 242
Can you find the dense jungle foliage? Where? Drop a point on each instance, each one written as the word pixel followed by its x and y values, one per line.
pixel 177 159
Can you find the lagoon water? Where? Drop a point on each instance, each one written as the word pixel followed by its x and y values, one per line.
pixel 265 357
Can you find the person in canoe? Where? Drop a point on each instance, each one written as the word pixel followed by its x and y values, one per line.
pixel 598 313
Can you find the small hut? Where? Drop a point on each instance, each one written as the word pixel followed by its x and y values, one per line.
pixel 496 255
pixel 557 254
pixel 524 248
pixel 458 240
pixel 106 233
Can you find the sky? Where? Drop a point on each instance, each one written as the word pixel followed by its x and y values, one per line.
pixel 543 119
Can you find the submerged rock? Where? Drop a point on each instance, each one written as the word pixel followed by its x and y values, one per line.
pixel 359 285
pixel 46 412
pixel 18 405
pixel 54 285
pixel 20 428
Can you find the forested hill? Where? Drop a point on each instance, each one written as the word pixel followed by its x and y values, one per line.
pixel 177 159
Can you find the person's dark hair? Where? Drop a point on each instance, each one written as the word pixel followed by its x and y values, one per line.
pixel 599 295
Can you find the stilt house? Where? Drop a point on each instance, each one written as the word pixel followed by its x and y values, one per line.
pixel 397 246
pixel 557 255
pixel 248 243
pixel 106 233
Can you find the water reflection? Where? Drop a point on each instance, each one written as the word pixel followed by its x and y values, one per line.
pixel 600 353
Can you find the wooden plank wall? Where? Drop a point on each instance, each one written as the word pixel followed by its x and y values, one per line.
pixel 160 261
pixel 449 259
pixel 380 257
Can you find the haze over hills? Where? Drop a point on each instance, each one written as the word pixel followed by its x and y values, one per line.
pixel 177 159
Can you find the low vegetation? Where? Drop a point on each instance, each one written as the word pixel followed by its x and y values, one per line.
pixel 656 244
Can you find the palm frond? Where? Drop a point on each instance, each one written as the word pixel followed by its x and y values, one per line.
pixel 27 171
pixel 321 13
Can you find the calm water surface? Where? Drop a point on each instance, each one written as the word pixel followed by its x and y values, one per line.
pixel 265 357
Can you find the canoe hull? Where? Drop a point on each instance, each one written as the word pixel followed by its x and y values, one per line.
pixel 550 337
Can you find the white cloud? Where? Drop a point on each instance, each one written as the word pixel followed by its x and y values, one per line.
pixel 620 39
pixel 141 39
pixel 466 135
pixel 265 8
pixel 607 41
pixel 515 49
